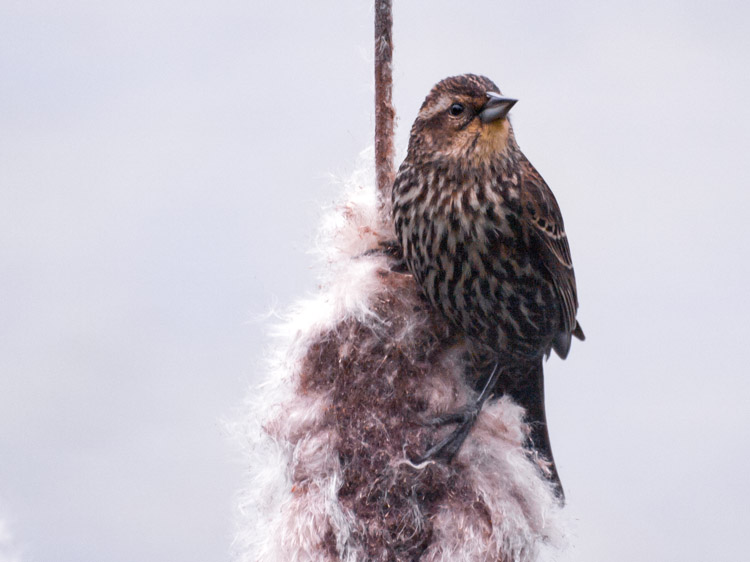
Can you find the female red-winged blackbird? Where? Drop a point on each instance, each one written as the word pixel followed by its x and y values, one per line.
pixel 483 236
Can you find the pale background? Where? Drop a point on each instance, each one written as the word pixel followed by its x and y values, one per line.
pixel 162 168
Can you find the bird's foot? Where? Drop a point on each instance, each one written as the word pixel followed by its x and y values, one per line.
pixel 391 249
pixel 450 445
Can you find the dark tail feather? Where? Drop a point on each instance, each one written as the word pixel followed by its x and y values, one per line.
pixel 528 391
pixel 561 343
pixel 578 332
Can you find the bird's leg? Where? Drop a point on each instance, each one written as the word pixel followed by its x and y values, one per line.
pixel 392 249
pixel 448 447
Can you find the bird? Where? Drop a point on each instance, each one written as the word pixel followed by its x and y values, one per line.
pixel 483 236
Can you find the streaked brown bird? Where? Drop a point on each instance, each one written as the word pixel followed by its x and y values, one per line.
pixel 483 236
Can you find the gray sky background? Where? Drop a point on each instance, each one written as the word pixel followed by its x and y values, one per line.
pixel 162 169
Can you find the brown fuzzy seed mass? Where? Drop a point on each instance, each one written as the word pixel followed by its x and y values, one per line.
pixel 375 376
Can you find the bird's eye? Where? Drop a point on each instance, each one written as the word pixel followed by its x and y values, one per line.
pixel 456 109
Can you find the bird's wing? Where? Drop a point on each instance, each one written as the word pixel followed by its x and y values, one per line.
pixel 542 216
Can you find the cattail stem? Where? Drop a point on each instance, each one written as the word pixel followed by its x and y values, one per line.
pixel 384 112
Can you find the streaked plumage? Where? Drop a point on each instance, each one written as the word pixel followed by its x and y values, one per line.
pixel 483 236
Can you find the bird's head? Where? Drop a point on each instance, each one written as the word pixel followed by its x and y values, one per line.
pixel 463 118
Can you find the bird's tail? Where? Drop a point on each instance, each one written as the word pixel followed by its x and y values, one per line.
pixel 578 332
pixel 528 391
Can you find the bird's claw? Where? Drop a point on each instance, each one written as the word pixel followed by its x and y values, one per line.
pixel 447 448
pixel 392 250
pixel 447 419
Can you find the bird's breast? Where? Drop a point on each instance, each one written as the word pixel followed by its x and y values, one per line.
pixel 465 244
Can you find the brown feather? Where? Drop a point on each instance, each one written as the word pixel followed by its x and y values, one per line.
pixel 541 214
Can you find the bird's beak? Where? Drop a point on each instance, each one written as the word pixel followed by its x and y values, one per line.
pixel 497 107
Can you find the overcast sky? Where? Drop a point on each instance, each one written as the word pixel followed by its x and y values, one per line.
pixel 162 169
